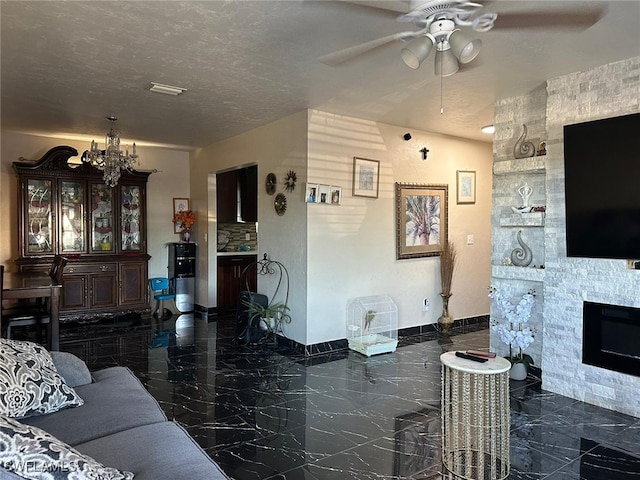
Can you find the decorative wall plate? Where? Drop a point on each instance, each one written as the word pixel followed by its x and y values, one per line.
pixel 270 183
pixel 280 204
pixel 290 181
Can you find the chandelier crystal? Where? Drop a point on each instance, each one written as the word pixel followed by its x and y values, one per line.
pixel 112 160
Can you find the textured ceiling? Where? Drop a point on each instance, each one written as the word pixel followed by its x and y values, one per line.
pixel 67 65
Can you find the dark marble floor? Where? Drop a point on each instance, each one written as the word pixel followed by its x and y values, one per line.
pixel 262 414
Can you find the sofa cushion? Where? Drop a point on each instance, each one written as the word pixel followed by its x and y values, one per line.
pixel 32 453
pixel 115 401
pixel 29 382
pixel 71 368
pixel 155 452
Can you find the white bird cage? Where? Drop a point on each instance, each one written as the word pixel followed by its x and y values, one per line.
pixel 372 325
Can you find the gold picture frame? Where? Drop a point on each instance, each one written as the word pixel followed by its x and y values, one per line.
pixel 421 219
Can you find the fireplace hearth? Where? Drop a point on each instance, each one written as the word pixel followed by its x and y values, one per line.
pixel 611 337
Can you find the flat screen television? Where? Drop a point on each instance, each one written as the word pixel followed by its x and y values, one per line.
pixel 602 188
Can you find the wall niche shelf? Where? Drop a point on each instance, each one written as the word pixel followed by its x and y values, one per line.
pixel 521 165
pixel 511 272
pixel 533 219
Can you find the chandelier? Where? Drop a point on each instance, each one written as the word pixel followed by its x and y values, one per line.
pixel 112 160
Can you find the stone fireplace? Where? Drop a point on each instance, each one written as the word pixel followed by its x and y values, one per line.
pixel 566 285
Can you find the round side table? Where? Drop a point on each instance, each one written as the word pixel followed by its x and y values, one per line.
pixel 475 417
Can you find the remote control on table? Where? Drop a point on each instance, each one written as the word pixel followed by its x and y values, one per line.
pixel 480 353
pixel 471 357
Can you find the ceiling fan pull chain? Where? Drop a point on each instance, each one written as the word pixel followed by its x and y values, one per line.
pixel 441 107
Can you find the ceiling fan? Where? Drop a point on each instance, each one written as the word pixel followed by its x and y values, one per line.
pixel 439 23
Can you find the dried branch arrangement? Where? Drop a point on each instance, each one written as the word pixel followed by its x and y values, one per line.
pixel 447 266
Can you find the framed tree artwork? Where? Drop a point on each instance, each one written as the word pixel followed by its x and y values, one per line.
pixel 421 220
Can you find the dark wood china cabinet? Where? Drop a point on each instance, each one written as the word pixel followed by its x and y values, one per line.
pixel 66 208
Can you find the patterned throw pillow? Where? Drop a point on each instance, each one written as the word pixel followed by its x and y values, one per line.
pixel 29 381
pixel 32 453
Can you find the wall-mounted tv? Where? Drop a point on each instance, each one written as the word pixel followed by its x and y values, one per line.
pixel 602 188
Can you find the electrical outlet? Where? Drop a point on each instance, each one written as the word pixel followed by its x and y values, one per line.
pixel 470 240
pixel 425 304
pixel 247 236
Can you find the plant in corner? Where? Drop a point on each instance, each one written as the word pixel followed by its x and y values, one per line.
pixel 447 267
pixel 515 333
pixel 273 315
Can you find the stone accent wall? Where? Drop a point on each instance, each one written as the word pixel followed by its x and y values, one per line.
pixel 509 174
pixel 565 283
pixel 607 91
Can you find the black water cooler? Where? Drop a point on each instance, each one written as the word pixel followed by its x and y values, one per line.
pixel 182 274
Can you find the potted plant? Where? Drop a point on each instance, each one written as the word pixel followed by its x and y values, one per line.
pixel 447 267
pixel 514 332
pixel 272 316
pixel 185 219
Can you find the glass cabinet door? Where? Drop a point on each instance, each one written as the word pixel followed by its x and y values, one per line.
pixel 101 218
pixel 38 213
pixel 131 217
pixel 72 221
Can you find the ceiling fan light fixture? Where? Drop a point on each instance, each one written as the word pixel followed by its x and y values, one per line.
pixel 417 51
pixel 462 47
pixel 446 63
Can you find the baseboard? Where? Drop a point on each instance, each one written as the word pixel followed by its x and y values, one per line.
pixel 458 326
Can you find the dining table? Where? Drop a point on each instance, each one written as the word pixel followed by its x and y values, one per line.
pixel 20 286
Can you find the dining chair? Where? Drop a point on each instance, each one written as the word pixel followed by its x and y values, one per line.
pixel 159 287
pixel 34 314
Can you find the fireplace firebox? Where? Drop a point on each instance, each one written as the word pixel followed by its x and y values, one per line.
pixel 611 337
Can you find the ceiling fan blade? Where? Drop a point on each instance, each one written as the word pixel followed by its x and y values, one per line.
pixel 341 56
pixel 549 19
pixel 396 6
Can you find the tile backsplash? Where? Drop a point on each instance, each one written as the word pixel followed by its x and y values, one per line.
pixel 237 237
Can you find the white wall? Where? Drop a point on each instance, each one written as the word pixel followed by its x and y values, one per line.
pixel 352 248
pixel 278 148
pixel 170 180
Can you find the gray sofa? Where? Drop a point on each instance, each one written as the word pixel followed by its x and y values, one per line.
pixel 122 426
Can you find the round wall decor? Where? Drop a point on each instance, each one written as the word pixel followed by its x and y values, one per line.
pixel 270 183
pixel 280 204
pixel 290 181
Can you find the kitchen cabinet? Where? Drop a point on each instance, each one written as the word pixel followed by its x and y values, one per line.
pixel 236 273
pixel 237 195
pixel 67 209
pixel 227 196
pixel 248 186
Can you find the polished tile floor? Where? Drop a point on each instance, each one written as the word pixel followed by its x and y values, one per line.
pixel 262 414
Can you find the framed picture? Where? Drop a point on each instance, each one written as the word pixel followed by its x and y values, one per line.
pixel 311 193
pixel 323 194
pixel 335 194
pixel 421 220
pixel 418 452
pixel 179 205
pixel 466 186
pixel 366 177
